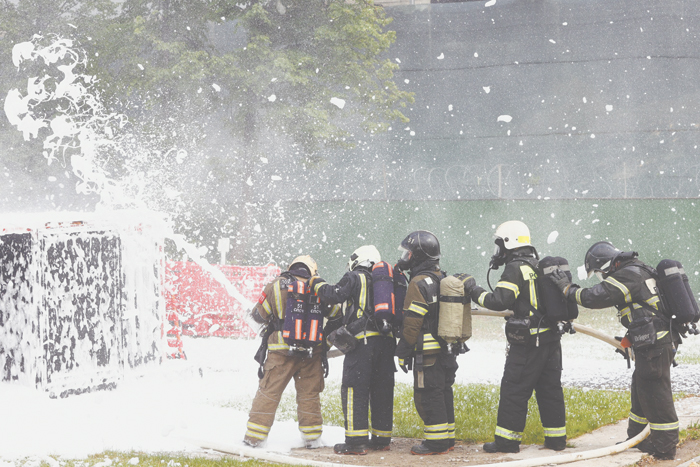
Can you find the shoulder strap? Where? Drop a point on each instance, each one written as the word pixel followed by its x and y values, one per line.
pixel 539 315
pixel 657 313
pixel 369 308
pixel 433 275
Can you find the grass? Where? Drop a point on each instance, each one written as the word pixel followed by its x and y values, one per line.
pixel 690 433
pixel 476 406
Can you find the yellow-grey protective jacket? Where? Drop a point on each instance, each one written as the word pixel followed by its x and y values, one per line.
pixel 517 291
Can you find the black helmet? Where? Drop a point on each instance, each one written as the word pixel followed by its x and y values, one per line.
pixel 419 246
pixel 600 258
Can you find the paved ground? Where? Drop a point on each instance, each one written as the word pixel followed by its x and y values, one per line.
pixel 472 455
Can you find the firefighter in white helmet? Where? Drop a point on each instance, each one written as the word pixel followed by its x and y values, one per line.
pixel 368 365
pixel 534 360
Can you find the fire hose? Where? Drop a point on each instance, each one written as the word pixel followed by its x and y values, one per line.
pixel 587 330
pixel 244 451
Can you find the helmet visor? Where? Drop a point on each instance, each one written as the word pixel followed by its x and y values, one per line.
pixel 405 254
pixel 600 272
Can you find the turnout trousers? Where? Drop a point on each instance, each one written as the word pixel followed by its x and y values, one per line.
pixel 368 384
pixel 652 398
pixel 435 401
pixel 531 368
pixel 279 369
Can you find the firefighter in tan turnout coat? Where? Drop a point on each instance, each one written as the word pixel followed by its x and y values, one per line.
pixel 307 366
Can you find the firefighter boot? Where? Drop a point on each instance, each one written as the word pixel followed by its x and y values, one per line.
pixel 313 443
pixel 254 443
pixel 350 449
pixel 423 450
pixel 378 446
pixel 670 455
pixel 494 447
pixel 555 444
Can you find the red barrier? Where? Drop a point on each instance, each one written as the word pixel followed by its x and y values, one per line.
pixel 203 306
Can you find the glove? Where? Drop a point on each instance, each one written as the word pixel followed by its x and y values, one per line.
pixel 324 364
pixel 404 349
pixel 315 282
pixel 469 286
pixel 561 280
pixel 406 364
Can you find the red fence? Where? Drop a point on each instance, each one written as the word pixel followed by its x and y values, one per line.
pixel 203 306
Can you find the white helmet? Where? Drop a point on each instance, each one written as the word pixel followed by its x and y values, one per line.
pixel 366 256
pixel 307 261
pixel 514 234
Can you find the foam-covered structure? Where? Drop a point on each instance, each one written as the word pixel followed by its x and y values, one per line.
pixel 81 301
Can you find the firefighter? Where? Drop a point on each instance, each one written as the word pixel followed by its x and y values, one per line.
pixel 534 358
pixel 307 366
pixel 628 285
pixel 420 348
pixel 368 366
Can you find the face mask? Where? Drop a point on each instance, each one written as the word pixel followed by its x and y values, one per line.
pixel 404 262
pixel 499 258
pixel 352 263
pixel 600 276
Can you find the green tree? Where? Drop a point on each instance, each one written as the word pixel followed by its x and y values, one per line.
pixel 217 90
pixel 304 74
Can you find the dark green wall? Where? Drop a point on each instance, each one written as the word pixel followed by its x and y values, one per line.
pixel 330 231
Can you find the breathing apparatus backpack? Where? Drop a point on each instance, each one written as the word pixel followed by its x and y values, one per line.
pixel 384 297
pixel 455 315
pixel 389 290
pixel 556 307
pixel 678 300
pixel 303 318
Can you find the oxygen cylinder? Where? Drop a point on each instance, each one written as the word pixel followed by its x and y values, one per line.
pixel 466 308
pixel 383 293
pixel 690 293
pixel 295 311
pixel 556 306
pixel 572 307
pixel 400 290
pixel 675 292
pixel 451 318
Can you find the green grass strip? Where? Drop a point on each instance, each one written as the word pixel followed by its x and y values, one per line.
pixel 476 407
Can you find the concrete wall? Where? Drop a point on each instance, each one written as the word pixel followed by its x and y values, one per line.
pixel 534 99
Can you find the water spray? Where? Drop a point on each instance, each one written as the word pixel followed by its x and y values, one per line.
pixel 84 133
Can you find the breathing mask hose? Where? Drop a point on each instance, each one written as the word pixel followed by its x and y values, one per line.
pixel 487 278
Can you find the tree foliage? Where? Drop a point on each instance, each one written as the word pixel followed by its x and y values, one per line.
pixel 233 84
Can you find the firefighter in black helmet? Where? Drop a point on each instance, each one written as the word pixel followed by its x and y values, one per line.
pixel 534 359
pixel 419 347
pixel 628 285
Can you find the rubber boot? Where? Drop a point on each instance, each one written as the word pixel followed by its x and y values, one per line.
pixel 494 447
pixel 423 450
pixel 350 449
